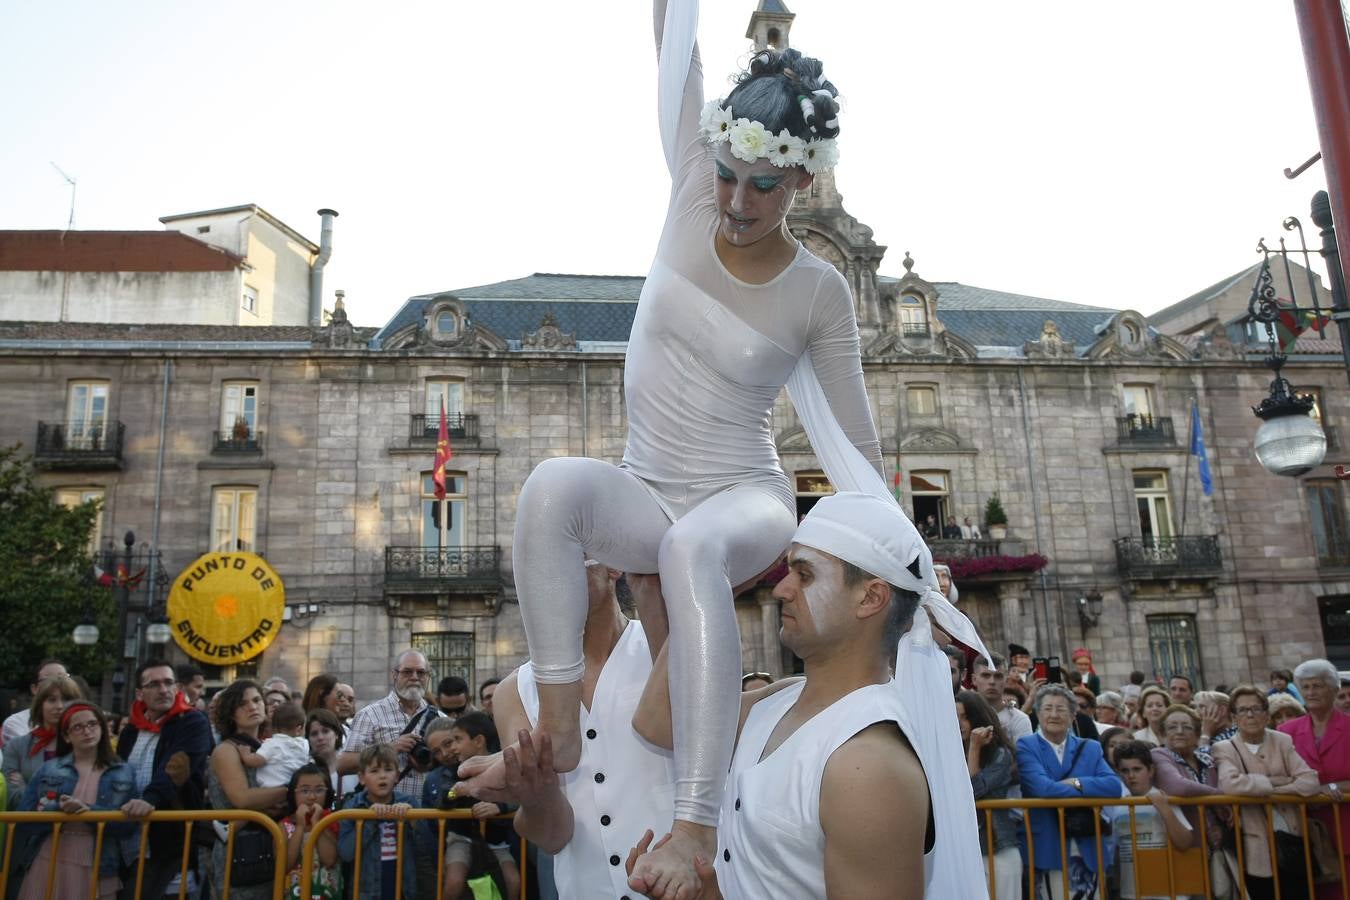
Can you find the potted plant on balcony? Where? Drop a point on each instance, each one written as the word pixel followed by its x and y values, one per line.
pixel 995 519
pixel 241 431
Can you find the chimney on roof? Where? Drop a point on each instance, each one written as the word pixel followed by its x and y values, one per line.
pixel 316 270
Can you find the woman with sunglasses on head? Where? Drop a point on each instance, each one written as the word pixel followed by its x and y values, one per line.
pixel 86 775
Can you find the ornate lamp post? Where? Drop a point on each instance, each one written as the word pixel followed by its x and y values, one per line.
pixel 1289 442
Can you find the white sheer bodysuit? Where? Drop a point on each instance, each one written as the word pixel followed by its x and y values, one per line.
pixel 700 496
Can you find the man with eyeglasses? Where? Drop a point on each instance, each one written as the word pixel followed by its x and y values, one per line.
pixel 386 721
pixel 167 744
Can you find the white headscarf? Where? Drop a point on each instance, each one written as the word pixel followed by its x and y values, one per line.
pixel 865 526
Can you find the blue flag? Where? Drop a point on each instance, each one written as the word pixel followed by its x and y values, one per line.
pixel 1198 450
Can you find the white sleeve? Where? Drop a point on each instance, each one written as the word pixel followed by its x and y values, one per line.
pixel 271 749
pixel 679 92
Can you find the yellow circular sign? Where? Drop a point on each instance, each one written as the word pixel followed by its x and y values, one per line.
pixel 226 607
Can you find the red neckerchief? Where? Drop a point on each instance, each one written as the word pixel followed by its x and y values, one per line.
pixel 42 737
pixel 180 706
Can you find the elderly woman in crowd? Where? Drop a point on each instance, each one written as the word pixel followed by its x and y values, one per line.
pixel 1111 709
pixel 1322 738
pixel 1182 769
pixel 993 775
pixel 1054 763
pixel 1284 708
pixel 1258 762
pixel 25 754
pixel 232 785
pixel 1153 703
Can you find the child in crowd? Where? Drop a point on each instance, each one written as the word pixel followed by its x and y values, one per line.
pixel 309 797
pixel 474 734
pixel 377 770
pixel 1154 824
pixel 284 752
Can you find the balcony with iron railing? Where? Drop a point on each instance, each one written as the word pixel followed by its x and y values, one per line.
pixel 915 329
pixel 236 441
pixel 79 444
pixel 425 428
pixel 429 568
pixel 1171 557
pixel 1139 429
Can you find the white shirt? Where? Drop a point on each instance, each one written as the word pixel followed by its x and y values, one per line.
pixel 15 725
pixel 623 784
pixel 771 843
pixel 1015 723
pixel 1058 748
pixel 284 754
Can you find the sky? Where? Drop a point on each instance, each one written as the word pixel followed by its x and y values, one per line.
pixel 1122 155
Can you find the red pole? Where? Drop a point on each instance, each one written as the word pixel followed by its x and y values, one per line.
pixel 1326 53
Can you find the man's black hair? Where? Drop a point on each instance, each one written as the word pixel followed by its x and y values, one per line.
pixel 451 685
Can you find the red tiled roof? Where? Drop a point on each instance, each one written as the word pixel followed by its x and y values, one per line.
pixel 110 251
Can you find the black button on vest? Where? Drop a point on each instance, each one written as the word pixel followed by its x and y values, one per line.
pixel 726 855
pixel 614 860
pixel 590 733
pixel 738 804
pixel 599 777
pixel 604 820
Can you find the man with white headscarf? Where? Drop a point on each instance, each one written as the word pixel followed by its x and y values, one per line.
pixel 848 783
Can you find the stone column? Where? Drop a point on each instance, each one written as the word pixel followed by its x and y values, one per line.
pixel 768 632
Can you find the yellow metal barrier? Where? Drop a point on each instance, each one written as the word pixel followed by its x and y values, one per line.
pixel 413 815
pixel 101 820
pixel 1186 873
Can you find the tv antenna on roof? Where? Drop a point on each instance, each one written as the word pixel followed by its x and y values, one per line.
pixel 70 223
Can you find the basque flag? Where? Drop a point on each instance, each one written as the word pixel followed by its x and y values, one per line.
pixel 1198 450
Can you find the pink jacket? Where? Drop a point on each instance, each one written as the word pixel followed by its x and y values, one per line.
pixel 1241 772
pixel 1330 758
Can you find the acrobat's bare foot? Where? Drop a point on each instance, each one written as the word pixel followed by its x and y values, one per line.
pixel 560 719
pixel 667 871
pixel 483 777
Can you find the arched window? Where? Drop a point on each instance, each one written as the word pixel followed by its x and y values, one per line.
pixel 913 316
pixel 447 325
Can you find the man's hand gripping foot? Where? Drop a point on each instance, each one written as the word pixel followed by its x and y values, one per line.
pixel 668 871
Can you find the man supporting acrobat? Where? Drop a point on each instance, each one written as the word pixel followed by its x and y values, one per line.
pixel 841 784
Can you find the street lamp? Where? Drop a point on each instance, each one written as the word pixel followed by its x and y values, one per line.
pixel 1090 608
pixel 1289 441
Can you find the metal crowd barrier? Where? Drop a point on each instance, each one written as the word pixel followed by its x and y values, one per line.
pixel 1186 873
pixel 193 819
pixel 412 816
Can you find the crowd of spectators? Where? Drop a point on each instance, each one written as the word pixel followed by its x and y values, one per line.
pixel 1032 731
pixel 1028 731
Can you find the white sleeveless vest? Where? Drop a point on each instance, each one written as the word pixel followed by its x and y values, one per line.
pixel 771 844
pixel 623 784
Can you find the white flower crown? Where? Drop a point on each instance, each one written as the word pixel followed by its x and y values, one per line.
pixel 751 141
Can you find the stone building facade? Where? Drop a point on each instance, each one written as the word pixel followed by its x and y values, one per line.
pixel 1076 416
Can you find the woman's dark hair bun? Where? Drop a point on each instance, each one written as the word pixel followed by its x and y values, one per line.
pixel 782 89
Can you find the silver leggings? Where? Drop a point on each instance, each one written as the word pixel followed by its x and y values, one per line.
pixel 574 506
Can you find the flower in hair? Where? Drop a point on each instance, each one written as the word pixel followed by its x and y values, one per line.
pixel 786 150
pixel 715 122
pixel 821 155
pixel 749 140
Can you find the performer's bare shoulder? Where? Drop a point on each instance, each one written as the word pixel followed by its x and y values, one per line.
pixel 874 811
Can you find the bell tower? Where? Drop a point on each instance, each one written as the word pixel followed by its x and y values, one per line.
pixel 769 26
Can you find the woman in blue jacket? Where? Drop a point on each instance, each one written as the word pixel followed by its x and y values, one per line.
pixel 85 776
pixel 1054 763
